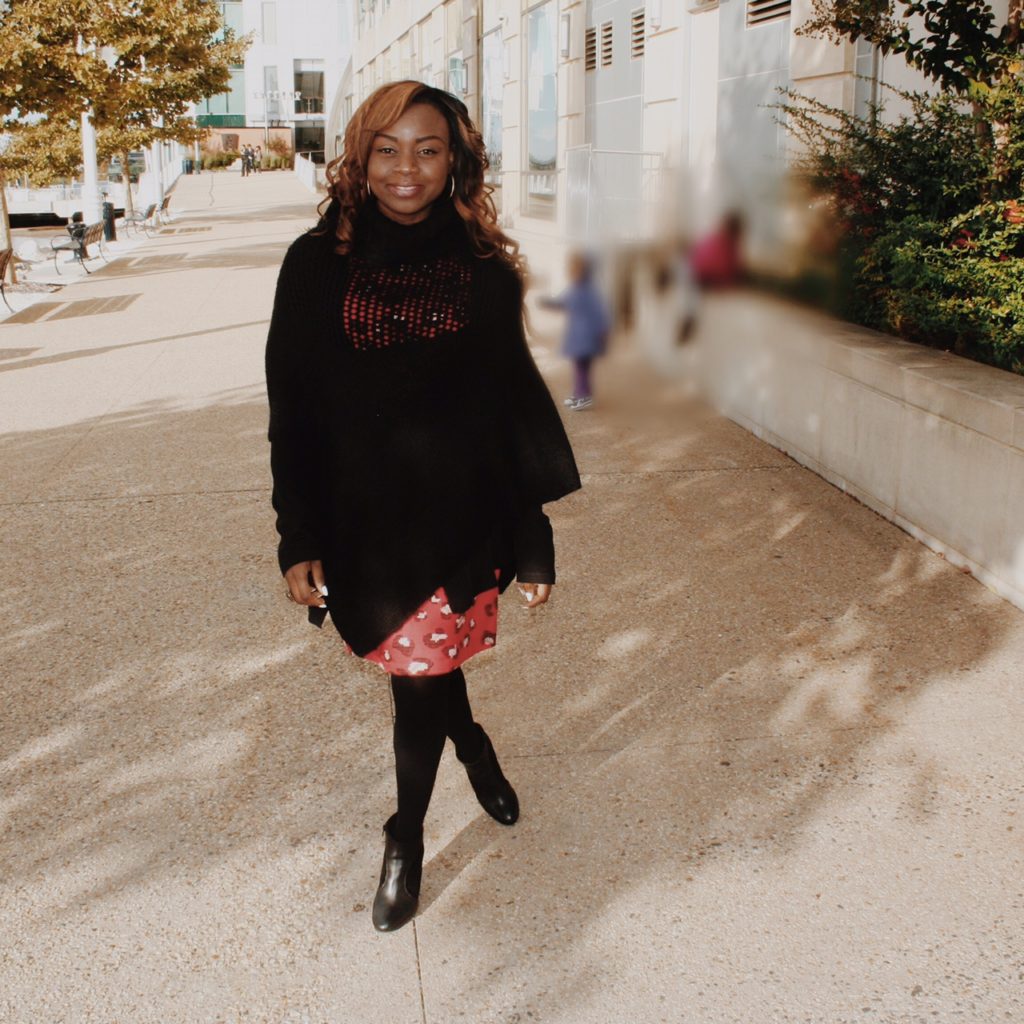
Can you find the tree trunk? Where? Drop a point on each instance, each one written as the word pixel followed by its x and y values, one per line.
pixel 1013 21
pixel 998 134
pixel 126 178
pixel 6 242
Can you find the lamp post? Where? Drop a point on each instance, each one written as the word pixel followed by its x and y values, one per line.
pixel 264 95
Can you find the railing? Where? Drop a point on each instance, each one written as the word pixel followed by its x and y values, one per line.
pixel 309 173
pixel 43 195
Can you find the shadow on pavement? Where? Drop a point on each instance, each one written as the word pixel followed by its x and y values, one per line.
pixel 251 256
pixel 85 353
pixel 729 636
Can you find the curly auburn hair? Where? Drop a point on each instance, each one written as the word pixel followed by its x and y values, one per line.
pixel 346 175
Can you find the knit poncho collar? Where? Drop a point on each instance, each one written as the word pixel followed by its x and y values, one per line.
pixel 381 241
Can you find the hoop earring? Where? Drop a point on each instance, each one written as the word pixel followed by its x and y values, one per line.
pixel 451 194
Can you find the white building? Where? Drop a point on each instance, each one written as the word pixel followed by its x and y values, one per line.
pixel 296 61
pixel 614 118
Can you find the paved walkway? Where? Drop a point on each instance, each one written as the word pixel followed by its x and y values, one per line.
pixel 768 747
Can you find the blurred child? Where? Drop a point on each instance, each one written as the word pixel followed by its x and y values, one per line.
pixel 586 329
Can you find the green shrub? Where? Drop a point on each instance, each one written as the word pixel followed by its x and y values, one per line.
pixel 959 287
pixel 929 217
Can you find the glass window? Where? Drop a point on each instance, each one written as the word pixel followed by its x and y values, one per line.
pixel 273 102
pixel 541 110
pixel 236 92
pixel 214 104
pixel 866 83
pixel 309 140
pixel 406 64
pixel 453 27
pixel 270 23
pixel 423 51
pixel 309 81
pixel 230 102
pixel 232 14
pixel 491 99
pixel 491 14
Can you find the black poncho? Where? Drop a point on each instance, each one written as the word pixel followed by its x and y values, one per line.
pixel 413 441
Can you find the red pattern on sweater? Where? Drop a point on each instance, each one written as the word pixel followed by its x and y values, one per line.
pixel 385 305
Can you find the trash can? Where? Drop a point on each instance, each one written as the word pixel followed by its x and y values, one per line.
pixel 109 229
pixel 188 166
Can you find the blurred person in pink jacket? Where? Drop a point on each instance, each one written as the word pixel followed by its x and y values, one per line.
pixel 716 260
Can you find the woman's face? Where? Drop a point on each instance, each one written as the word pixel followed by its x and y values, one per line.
pixel 409 164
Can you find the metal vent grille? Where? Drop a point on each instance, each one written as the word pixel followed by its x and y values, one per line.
pixel 590 50
pixel 760 12
pixel 637 34
pixel 606 45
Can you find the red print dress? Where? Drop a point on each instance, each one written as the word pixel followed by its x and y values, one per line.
pixel 435 639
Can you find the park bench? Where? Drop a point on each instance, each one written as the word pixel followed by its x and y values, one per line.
pixel 141 219
pixel 163 215
pixel 80 237
pixel 5 259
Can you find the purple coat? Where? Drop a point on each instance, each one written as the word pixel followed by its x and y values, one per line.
pixel 587 320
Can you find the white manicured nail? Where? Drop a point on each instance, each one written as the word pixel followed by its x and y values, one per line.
pixel 323 589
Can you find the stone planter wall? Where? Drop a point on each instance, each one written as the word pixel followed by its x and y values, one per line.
pixel 933 442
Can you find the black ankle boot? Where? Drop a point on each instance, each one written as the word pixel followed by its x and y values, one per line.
pixel 399 890
pixel 493 790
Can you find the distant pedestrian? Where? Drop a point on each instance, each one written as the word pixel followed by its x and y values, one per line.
pixel 258 160
pixel 413 442
pixel 246 160
pixel 586 328
pixel 716 260
pixel 76 229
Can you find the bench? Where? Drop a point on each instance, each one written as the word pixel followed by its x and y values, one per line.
pixel 164 214
pixel 80 237
pixel 143 219
pixel 5 259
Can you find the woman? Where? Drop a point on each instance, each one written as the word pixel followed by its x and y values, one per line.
pixel 413 442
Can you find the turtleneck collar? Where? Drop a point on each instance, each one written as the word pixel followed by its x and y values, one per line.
pixel 379 239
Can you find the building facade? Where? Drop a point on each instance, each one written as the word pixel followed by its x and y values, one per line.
pixel 297 60
pixel 612 119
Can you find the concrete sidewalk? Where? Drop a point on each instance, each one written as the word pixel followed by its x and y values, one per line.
pixel 768 747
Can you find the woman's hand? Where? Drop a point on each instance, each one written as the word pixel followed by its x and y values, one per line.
pixel 535 594
pixel 306 583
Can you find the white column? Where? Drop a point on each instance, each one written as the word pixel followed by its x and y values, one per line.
pixel 90 176
pixel 156 160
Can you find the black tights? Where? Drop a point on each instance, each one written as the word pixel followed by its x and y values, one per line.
pixel 427 710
